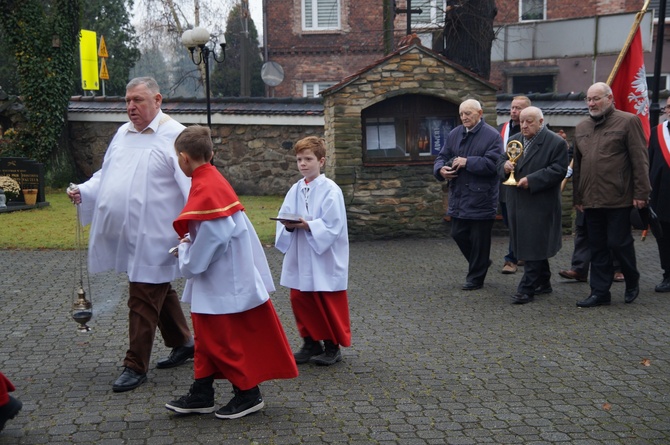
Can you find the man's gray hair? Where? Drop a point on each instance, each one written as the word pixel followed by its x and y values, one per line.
pixel 535 111
pixel 471 104
pixel 603 87
pixel 149 82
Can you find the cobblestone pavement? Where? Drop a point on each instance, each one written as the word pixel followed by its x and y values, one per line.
pixel 429 364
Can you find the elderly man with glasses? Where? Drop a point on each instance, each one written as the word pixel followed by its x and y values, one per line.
pixel 611 176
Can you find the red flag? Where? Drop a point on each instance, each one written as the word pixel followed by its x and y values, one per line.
pixel 629 86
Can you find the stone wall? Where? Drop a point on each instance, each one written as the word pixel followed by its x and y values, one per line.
pixel 256 159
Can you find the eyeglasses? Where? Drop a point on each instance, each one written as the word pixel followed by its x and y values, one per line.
pixel 593 99
pixel 666 108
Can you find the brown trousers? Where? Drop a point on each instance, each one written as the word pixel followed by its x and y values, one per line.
pixel 151 306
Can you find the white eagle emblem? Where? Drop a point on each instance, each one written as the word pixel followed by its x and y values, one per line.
pixel 638 95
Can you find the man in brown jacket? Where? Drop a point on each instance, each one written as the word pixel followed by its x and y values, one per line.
pixel 611 176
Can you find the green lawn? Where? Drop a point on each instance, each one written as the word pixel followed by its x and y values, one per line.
pixel 54 227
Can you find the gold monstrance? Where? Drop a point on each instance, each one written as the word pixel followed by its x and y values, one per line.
pixel 514 151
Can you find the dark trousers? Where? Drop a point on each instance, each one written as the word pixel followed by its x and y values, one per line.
pixel 152 306
pixel 581 256
pixel 473 238
pixel 511 257
pixel 610 230
pixel 535 273
pixel 664 249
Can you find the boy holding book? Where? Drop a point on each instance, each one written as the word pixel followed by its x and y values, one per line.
pixel 316 260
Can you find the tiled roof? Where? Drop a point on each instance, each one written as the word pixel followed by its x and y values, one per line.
pixel 229 105
pixel 549 103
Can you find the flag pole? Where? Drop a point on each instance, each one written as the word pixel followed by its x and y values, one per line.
pixel 629 40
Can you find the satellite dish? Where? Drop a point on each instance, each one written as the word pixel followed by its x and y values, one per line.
pixel 272 73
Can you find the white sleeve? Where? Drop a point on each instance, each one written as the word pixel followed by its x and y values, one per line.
pixel 209 241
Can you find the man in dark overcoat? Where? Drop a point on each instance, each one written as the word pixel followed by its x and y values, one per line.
pixel 468 162
pixel 534 204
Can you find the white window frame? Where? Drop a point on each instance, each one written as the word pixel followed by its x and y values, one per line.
pixel 665 83
pixel 310 21
pixel 312 89
pixel 521 10
pixel 436 14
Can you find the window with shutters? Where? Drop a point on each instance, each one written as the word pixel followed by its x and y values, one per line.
pixel 318 15
pixel 432 13
pixel 312 89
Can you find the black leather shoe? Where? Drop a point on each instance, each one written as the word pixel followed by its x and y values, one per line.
pixel 595 300
pixel 128 380
pixel 520 298
pixel 543 289
pixel 631 294
pixel 469 285
pixel 663 286
pixel 177 357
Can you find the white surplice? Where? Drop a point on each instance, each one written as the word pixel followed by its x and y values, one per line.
pixel 131 203
pixel 225 266
pixel 315 260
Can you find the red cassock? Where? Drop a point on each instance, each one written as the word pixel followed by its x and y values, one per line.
pixel 5 388
pixel 246 348
pixel 322 315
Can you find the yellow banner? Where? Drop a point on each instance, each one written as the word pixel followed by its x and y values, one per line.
pixel 88 53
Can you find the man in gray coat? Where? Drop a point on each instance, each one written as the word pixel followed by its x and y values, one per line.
pixel 534 204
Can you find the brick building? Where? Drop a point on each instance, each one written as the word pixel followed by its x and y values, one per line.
pixel 573 73
pixel 320 42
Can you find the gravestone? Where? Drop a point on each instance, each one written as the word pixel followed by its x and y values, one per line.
pixel 27 172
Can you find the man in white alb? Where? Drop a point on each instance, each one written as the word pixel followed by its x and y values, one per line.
pixel 131 203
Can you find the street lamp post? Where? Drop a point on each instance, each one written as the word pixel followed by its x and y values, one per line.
pixel 200 38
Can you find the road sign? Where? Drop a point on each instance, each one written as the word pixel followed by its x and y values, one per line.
pixel 102 51
pixel 104 75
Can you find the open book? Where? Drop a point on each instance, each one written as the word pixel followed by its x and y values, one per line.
pixel 290 217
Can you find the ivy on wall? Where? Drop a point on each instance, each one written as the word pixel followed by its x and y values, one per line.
pixel 43 36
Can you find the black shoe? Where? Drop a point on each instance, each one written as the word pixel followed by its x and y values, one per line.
pixel 9 410
pixel 663 286
pixel 199 400
pixel 309 349
pixel 128 380
pixel 595 300
pixel 177 357
pixel 469 285
pixel 631 294
pixel 520 298
pixel 330 356
pixel 543 289
pixel 244 402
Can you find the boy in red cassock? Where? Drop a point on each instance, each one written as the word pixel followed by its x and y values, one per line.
pixel 238 335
